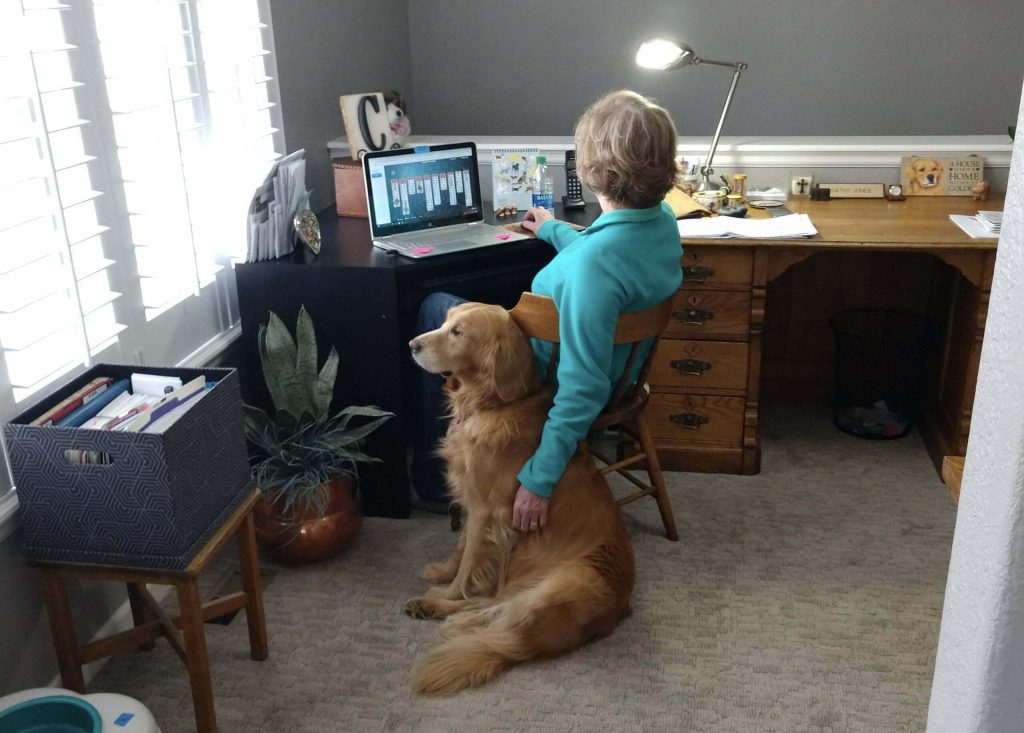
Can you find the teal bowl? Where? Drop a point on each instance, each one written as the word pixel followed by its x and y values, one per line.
pixel 53 714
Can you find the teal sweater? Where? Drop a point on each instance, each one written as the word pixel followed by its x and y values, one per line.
pixel 626 261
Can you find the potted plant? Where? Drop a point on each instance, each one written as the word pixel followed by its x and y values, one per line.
pixel 305 460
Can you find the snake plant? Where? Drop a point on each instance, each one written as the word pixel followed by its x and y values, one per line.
pixel 303 446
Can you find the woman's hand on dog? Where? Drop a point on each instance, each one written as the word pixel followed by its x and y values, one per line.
pixel 535 217
pixel 529 511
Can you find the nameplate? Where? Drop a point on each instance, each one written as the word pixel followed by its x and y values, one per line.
pixel 854 190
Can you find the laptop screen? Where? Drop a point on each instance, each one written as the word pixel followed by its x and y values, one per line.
pixel 419 188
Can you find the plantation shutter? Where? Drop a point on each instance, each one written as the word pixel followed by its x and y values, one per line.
pixel 132 135
pixel 56 299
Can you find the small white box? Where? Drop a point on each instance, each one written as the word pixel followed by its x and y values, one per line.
pixel 154 384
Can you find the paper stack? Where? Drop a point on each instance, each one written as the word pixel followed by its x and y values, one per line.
pixel 270 231
pixel 991 220
pixel 780 227
pixel 979 227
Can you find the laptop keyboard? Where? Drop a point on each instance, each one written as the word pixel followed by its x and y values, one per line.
pixel 431 238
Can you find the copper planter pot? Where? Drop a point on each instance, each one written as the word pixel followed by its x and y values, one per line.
pixel 307 536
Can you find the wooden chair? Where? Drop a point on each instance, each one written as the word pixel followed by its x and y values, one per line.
pixel 537 316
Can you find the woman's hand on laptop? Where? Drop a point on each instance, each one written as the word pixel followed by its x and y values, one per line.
pixel 535 217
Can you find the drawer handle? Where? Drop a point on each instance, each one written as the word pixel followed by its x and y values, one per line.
pixel 695 367
pixel 693 316
pixel 688 420
pixel 698 273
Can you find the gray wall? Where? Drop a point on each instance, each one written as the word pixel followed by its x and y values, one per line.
pixel 326 48
pixel 832 67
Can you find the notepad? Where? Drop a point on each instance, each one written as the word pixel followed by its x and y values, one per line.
pixel 781 227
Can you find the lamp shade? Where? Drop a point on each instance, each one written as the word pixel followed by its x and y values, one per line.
pixel 663 55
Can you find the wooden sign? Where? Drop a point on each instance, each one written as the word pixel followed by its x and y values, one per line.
pixel 933 176
pixel 854 190
pixel 366 123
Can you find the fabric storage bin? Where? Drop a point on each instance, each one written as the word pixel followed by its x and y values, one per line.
pixel 158 500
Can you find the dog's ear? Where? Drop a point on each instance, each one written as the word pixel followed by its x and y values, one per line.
pixel 508 362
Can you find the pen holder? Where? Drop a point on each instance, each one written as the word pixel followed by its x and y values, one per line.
pixel 688 184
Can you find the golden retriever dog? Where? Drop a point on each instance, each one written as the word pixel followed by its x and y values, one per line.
pixel 925 177
pixel 506 596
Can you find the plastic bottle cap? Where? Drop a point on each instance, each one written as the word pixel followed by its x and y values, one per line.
pixel 542 160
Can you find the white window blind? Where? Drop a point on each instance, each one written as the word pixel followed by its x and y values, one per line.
pixel 132 134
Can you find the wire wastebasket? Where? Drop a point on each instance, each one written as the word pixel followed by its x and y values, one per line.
pixel 879 378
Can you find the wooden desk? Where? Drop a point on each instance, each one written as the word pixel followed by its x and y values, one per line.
pixel 364 302
pixel 722 315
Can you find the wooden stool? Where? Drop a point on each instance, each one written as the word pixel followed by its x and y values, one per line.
pixel 184 632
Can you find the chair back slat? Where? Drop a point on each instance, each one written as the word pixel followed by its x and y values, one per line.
pixel 537 316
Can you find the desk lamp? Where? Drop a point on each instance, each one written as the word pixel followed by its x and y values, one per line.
pixel 665 55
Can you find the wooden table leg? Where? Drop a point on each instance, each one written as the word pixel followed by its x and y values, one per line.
pixel 198 661
pixel 138 612
pixel 62 626
pixel 249 559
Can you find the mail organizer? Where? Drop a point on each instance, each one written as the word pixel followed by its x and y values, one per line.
pixel 154 500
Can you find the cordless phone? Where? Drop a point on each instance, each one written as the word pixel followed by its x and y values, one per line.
pixel 574 197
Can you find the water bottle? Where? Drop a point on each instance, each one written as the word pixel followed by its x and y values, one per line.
pixel 543 186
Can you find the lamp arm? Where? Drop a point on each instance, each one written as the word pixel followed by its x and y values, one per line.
pixel 706 170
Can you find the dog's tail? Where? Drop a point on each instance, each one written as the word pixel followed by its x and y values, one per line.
pixel 571 605
pixel 467 661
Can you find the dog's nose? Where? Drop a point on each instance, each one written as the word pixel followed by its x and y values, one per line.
pixel 414 346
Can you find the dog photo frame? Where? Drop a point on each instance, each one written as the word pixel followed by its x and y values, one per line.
pixel 922 175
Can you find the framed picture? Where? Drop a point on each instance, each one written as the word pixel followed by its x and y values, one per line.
pixel 801 185
pixel 934 176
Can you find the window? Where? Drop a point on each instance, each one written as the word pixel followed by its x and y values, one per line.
pixel 132 134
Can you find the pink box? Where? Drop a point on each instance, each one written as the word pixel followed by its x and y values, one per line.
pixel 349 189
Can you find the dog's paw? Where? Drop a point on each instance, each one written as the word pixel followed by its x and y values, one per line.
pixel 438 573
pixel 419 608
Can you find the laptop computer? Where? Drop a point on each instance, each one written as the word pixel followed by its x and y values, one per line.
pixel 425 201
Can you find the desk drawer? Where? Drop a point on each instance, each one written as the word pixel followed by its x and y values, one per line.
pixel 709 314
pixel 711 364
pixel 685 419
pixel 706 266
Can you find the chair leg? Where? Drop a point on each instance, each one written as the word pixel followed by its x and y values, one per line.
pixel 455 516
pixel 657 480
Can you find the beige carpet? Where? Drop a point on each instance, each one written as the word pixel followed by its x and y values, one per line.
pixel 806 598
